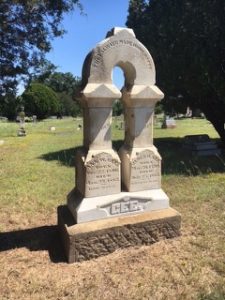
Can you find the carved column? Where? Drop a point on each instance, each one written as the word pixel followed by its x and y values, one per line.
pixel 140 160
pixel 97 164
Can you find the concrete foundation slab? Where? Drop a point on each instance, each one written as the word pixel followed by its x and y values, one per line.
pixel 89 240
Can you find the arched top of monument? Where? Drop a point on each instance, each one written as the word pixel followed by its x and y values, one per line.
pixel 122 49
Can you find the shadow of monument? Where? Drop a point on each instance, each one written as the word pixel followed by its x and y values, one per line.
pixel 175 159
pixel 35 239
pixel 179 161
pixel 64 157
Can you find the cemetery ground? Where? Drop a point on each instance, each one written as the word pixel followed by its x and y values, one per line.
pixel 37 172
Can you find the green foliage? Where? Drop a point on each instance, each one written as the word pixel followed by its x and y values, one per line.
pixel 158 108
pixel 66 86
pixel 27 28
pixel 9 107
pixel 186 40
pixel 40 100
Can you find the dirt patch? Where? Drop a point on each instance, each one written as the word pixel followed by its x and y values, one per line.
pixel 33 266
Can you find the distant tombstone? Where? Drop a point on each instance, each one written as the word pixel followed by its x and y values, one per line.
pixel 34 117
pixel 3 119
pixel 168 123
pixel 21 118
pixel 201 145
pixel 171 123
pixel 100 216
pixel 188 112
pixel 79 126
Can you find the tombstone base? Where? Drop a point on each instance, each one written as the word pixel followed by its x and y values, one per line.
pixel 116 205
pixel 21 132
pixel 97 238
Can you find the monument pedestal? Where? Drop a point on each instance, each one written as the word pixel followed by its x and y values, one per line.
pixel 89 240
pixel 116 205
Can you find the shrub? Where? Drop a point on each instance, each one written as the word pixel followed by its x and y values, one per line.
pixel 40 100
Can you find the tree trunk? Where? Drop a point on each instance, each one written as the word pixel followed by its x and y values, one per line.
pixel 218 124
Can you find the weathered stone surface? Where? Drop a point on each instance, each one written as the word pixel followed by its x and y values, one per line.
pixel 120 48
pixel 122 204
pixel 141 168
pixel 102 175
pixel 93 239
pixel 98 173
pixel 98 166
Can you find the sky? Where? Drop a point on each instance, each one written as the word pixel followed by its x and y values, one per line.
pixel 84 32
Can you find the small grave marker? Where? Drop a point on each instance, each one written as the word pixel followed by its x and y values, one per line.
pixel 21 117
pixel 200 144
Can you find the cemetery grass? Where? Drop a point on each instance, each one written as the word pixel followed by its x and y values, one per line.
pixel 36 173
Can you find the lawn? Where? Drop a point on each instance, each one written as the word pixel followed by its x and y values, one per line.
pixel 37 172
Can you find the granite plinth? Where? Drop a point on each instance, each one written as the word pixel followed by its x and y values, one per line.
pixel 97 238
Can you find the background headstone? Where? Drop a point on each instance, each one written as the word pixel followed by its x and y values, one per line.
pixel 21 117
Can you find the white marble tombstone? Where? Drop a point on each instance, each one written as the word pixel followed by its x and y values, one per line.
pixel 100 171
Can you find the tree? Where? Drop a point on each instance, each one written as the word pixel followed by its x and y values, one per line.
pixel 40 100
pixel 66 86
pixel 10 105
pixel 186 40
pixel 26 30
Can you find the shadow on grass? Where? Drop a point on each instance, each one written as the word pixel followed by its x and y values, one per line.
pixel 175 159
pixel 35 239
pixel 64 157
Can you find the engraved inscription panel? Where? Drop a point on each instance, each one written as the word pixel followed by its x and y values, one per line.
pixel 102 176
pixel 130 43
pixel 145 171
pixel 126 205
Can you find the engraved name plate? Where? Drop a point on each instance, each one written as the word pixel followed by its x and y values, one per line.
pixel 146 171
pixel 102 175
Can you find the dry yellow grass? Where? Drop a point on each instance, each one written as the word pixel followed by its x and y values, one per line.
pixel 182 268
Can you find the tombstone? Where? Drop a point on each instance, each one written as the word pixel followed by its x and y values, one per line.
pixel 188 113
pixel 21 118
pixel 168 123
pixel 117 200
pixel 34 118
pixel 201 145
pixel 3 119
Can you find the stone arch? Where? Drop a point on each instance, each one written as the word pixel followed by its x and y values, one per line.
pixel 122 49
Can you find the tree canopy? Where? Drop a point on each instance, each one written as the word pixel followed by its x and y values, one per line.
pixel 186 40
pixel 26 30
pixel 40 100
pixel 65 85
